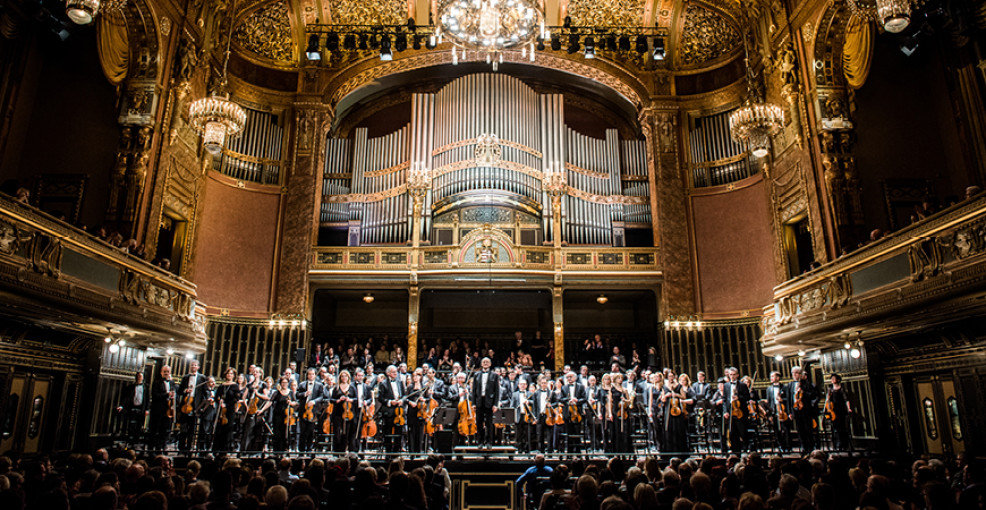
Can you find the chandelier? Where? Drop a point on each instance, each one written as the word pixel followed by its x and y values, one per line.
pixel 489 26
pixel 893 15
pixel 757 121
pixel 216 117
pixel 82 12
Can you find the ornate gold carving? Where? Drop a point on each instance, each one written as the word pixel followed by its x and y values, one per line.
pixel 366 197
pixel 472 141
pixel 606 199
pixel 833 292
pixel 267 32
pixel 620 13
pixel 706 35
pixel 506 165
pixel 587 172
pixel 384 171
pixel 368 12
pixel 925 258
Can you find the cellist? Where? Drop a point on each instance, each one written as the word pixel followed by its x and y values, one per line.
pixel 344 399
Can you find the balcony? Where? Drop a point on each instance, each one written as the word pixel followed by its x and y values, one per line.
pixel 57 276
pixel 929 273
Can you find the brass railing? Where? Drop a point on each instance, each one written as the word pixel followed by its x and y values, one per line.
pixel 883 284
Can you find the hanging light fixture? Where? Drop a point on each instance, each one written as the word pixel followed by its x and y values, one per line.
pixel 757 121
pixel 368 298
pixel 893 15
pixel 490 26
pixel 216 117
pixel 81 12
pixel 602 299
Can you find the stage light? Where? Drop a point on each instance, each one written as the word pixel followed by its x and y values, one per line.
pixel 107 339
pixel 625 43
pixel 368 298
pixel 590 48
pixel 855 353
pixel 602 299
pixel 114 348
pixel 847 345
pixel 332 42
pixel 122 342
pixel 573 44
pixel 555 43
pixel 349 42
pixel 385 53
pixel 641 44
pixel 312 51
pixel 658 48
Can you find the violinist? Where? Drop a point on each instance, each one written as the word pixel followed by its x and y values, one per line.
pixel 392 393
pixel 227 395
pixel 677 399
pixel 455 393
pixel 624 417
pixel 255 397
pixel 542 401
pixel 415 424
pixel 486 397
pixel 654 408
pixel 526 415
pixel 345 410
pixel 572 399
pixel 188 397
pixel 207 412
pixel 838 401
pixel 612 396
pixel 805 407
pixel 310 395
pixel 780 411
pixel 593 422
pixel 364 397
pixel 162 400
pixel 733 401
pixel 285 413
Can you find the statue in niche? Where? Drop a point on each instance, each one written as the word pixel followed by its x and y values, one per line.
pixel 665 132
pixel 486 252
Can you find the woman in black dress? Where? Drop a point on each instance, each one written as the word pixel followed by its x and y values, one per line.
pixel 677 396
pixel 282 421
pixel 228 395
pixel 344 412
pixel 415 425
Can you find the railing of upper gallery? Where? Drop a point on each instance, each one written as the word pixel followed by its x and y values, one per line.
pixel 486 140
pixel 50 265
pixel 715 158
pixel 928 270
pixel 255 154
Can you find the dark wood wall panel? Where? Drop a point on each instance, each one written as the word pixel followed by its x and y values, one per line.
pixel 239 343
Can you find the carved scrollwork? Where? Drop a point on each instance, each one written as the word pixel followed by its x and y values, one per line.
pixel 925 258
pixel 965 242
pixel 706 35
pixel 831 293
pixel 46 254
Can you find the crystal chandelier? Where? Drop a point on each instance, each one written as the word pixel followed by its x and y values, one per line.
pixel 757 121
pixel 490 25
pixel 893 15
pixel 216 117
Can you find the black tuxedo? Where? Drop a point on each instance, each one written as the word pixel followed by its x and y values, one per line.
pixel 132 415
pixel 189 387
pixel 734 429
pixel 564 398
pixel 160 402
pixel 306 428
pixel 803 417
pixel 393 434
pixel 782 429
pixel 485 398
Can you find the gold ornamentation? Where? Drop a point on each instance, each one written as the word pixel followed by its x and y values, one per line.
pixel 506 165
pixel 384 171
pixel 267 32
pixel 506 143
pixel 620 13
pixel 706 35
pixel 606 199
pixel 587 172
pixel 366 197
pixel 368 12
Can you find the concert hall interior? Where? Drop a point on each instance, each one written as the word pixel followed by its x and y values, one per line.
pixel 489 229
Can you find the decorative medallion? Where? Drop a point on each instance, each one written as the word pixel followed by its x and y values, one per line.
pixel 267 32
pixel 620 13
pixel 369 12
pixel 706 35
pixel 488 150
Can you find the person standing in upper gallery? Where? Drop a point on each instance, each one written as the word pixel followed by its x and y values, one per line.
pixel 618 358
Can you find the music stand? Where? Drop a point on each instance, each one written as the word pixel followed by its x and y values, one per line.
pixel 445 416
pixel 505 416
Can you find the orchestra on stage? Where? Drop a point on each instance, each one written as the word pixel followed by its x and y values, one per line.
pixel 494 409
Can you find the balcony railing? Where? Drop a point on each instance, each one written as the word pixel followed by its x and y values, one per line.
pixel 91 285
pixel 903 281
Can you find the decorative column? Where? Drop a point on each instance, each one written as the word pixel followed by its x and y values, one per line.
pixel 299 197
pixel 558 317
pixel 556 184
pixel 418 184
pixel 413 307
pixel 668 192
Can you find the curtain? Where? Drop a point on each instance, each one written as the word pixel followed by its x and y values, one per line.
pixel 114 47
pixel 857 52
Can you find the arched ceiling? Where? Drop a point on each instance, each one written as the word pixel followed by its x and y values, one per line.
pixel 703 34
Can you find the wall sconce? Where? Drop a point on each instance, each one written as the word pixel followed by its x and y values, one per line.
pixel 368 298
pixel 292 321
pixel 679 323
pixel 602 299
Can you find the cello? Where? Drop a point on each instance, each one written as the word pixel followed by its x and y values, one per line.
pixel 327 424
pixel 427 412
pixel 467 418
pixel 369 428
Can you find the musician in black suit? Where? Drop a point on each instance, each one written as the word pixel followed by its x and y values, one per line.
pixel 572 395
pixel 208 406
pixel 133 408
pixel 310 395
pixel 486 397
pixel 391 393
pixel 521 400
pixel 734 427
pixel 777 398
pixel 805 408
pixel 542 402
pixel 188 391
pixel 162 399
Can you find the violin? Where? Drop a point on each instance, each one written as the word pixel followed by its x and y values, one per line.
pixel 467 418
pixel 399 417
pixel 429 412
pixel 574 414
pixel 347 410
pixel 675 407
pixel 737 409
pixel 186 406
pixel 171 408
pixel 829 410
pixel 799 402
pixel 529 413
pixel 782 412
pixel 253 406
pixel 309 411
pixel 559 416
pixel 290 419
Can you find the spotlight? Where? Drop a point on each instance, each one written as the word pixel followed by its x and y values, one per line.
pixel 602 299
pixel 568 21
pixel 410 24
pixel 170 351
pixel 625 43
pixel 641 44
pixel 432 42
pixel 332 42
pixel 611 43
pixel 540 44
pixel 312 51
pixel 416 44
pixel 658 48
pixel 81 12
pixel 363 40
pixel 368 298
pixel 385 53
pixel 590 48
pixel 349 42
pixel 400 42
pixel 114 348
pixel 555 43
pixel 573 44
pixel 778 358
pixel 855 353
